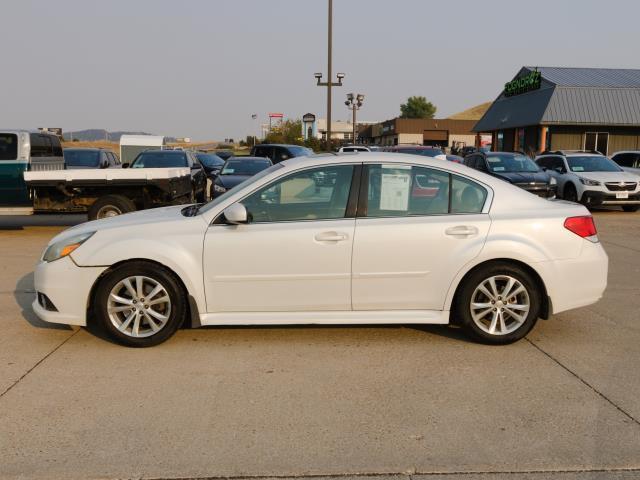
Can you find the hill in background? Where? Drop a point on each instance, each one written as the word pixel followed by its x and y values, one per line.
pixel 473 113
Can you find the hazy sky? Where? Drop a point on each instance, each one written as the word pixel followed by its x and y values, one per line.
pixel 201 68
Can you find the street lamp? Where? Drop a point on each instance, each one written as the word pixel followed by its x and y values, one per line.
pixel 353 103
pixel 329 83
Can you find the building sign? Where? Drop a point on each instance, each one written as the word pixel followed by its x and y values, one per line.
pixel 276 115
pixel 529 82
pixel 308 118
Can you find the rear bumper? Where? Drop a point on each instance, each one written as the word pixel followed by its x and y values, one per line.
pixel 67 287
pixel 594 198
pixel 576 282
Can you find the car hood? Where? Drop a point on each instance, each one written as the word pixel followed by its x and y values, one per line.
pixel 524 177
pixel 608 176
pixel 126 221
pixel 230 181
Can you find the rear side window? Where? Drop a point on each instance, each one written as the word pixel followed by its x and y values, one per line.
pixel 262 152
pixel 466 195
pixel 8 146
pixel 403 190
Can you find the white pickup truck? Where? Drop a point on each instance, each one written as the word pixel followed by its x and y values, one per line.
pixel 108 192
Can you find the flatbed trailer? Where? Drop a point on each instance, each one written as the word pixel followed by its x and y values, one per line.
pixel 108 192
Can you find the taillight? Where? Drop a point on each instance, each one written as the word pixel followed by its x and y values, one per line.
pixel 583 227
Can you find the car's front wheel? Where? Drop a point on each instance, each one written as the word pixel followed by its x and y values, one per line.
pixel 498 303
pixel 139 304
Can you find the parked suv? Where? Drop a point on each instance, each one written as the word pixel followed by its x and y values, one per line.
pixel 277 153
pixel 514 168
pixel 592 179
pixel 79 158
pixel 628 161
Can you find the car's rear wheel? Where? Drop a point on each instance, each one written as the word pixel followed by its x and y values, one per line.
pixel 570 193
pixel 630 208
pixel 139 304
pixel 498 303
pixel 110 206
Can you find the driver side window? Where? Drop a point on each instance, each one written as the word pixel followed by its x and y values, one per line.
pixel 314 194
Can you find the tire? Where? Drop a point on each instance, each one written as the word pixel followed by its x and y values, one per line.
pixel 128 319
pixel 570 194
pixel 110 206
pixel 630 208
pixel 482 322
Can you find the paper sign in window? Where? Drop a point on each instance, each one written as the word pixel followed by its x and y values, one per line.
pixel 394 191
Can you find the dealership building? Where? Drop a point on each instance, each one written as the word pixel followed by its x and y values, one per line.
pixel 553 108
pixel 443 132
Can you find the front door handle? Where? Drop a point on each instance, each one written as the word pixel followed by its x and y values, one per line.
pixel 461 231
pixel 331 237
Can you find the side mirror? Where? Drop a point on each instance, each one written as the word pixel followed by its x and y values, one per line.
pixel 544 169
pixel 235 214
pixel 196 166
pixel 125 165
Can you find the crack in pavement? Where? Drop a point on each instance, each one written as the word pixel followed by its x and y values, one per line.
pixel 405 475
pixel 8 389
pixel 584 382
pixel 621 246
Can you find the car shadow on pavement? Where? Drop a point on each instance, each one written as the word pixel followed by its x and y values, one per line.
pixel 24 294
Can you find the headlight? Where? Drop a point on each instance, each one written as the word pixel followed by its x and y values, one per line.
pixel 553 181
pixel 219 188
pixel 65 247
pixel 586 181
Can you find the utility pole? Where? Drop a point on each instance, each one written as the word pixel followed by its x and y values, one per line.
pixel 353 103
pixel 329 83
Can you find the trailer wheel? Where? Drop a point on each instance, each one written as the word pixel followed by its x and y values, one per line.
pixel 110 206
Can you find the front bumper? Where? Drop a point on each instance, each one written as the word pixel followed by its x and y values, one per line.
pixel 594 198
pixel 67 288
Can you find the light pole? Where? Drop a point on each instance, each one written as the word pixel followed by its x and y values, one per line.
pixel 353 103
pixel 329 83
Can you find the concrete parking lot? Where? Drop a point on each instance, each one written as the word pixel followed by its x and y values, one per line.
pixel 322 401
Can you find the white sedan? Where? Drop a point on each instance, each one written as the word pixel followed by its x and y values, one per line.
pixel 376 238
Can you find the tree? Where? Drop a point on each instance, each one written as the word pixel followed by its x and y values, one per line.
pixel 417 107
pixel 289 131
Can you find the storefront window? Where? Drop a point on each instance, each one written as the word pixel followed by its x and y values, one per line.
pixel 520 137
pixel 500 142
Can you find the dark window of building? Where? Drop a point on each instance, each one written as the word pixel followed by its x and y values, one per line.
pixel 598 141
pixel 8 146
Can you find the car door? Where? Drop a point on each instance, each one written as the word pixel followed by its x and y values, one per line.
pixel 294 254
pixel 418 228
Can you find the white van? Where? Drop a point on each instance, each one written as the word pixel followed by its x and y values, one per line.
pixel 132 145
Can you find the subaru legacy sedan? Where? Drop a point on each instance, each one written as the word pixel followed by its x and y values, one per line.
pixel 374 238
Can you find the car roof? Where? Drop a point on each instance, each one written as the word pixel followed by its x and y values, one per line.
pixel 279 145
pixel 244 158
pixel 88 149
pixel 166 152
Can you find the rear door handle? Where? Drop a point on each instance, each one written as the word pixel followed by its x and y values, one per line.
pixel 461 231
pixel 331 237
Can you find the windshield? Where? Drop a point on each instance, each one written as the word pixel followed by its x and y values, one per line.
pixel 244 167
pixel 160 160
pixel 210 160
pixel 511 164
pixel 300 151
pixel 81 158
pixel 240 186
pixel 592 163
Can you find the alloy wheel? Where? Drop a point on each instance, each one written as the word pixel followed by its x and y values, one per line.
pixel 139 306
pixel 108 211
pixel 500 305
